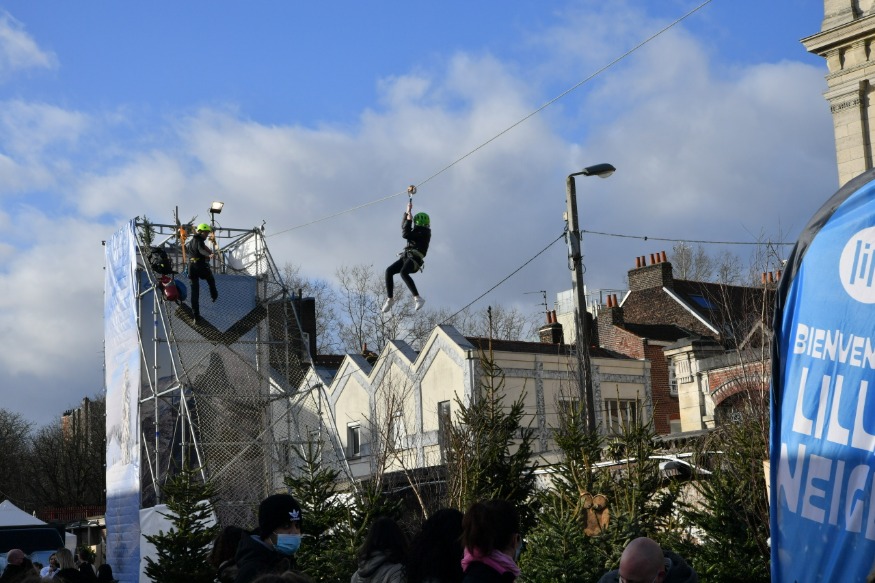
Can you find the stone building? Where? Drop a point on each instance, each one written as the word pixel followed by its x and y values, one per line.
pixel 688 331
pixel 390 411
pixel 846 40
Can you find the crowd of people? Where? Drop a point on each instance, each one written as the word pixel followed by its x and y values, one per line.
pixel 63 567
pixel 481 546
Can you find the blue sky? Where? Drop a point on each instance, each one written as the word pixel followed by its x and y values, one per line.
pixel 293 111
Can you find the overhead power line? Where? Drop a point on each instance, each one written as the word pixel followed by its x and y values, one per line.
pixel 510 127
pixel 514 272
pixel 670 240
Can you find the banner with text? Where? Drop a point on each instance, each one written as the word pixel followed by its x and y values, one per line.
pixel 122 362
pixel 823 411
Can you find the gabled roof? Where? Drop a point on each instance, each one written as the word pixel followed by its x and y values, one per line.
pixel 537 347
pixel 713 299
pixel 663 332
pixel 728 312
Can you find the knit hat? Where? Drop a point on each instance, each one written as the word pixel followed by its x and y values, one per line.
pixel 15 557
pixel 276 511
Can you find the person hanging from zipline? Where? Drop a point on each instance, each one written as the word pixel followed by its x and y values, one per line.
pixel 199 256
pixel 416 229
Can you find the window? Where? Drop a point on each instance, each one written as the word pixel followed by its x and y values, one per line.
pixel 397 432
pixel 353 440
pixel 702 301
pixel 683 371
pixel 444 415
pixel 285 452
pixel 621 413
pixel 444 420
pixel 568 409
pixel 314 436
pixel 672 380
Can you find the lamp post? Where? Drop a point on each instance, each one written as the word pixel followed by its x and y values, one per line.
pixel 215 209
pixel 581 322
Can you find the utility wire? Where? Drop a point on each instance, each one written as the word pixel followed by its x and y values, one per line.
pixel 648 238
pixel 514 272
pixel 509 128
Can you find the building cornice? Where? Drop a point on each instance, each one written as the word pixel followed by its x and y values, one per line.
pixel 843 35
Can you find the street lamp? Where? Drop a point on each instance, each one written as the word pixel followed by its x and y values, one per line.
pixel 215 209
pixel 581 322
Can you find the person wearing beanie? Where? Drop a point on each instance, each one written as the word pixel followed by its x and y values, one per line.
pixel 272 546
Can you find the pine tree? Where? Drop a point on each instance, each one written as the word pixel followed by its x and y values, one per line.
pixel 184 551
pixel 328 550
pixel 557 548
pixel 482 463
pixel 732 513
pixel 640 504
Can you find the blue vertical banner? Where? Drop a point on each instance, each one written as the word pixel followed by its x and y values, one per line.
pixel 122 363
pixel 822 507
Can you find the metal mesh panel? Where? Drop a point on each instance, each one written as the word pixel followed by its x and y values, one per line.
pixel 220 394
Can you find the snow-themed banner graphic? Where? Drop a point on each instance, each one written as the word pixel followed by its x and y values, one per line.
pixel 122 361
pixel 823 396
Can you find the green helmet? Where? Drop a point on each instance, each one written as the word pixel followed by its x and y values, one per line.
pixel 421 220
pixel 203 228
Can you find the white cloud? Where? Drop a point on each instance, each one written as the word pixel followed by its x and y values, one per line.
pixel 18 50
pixel 28 129
pixel 36 144
pixel 59 266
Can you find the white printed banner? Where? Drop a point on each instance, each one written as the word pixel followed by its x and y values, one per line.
pixel 122 354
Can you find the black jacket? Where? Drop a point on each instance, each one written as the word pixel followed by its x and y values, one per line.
pixel 478 572
pixel 197 249
pixel 255 558
pixel 417 237
pixel 71 575
pixel 679 572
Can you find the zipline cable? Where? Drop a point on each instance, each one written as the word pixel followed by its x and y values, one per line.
pixel 514 272
pixel 509 128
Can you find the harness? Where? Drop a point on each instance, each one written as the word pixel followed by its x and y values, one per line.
pixel 415 256
pixel 195 252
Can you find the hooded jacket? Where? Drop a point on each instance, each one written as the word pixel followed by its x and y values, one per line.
pixel 417 237
pixel 678 571
pixel 255 558
pixel 378 569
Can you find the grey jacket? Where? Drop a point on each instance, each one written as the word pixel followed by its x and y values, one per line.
pixel 377 569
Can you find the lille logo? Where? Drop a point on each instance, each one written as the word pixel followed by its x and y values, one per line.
pixel 857 266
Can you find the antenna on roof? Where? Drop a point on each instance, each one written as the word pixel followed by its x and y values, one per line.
pixel 543 293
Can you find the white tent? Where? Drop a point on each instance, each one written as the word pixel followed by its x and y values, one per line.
pixel 12 515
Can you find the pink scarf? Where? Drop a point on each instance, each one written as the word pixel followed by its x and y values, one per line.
pixel 496 560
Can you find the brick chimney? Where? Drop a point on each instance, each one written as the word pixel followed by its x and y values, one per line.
pixel 551 332
pixel 657 274
pixel 306 309
pixel 609 315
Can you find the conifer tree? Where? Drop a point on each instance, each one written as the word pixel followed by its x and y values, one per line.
pixel 640 503
pixel 732 513
pixel 327 550
pixel 489 450
pixel 557 548
pixel 184 551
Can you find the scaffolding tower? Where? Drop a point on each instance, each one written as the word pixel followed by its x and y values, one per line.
pixel 221 394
